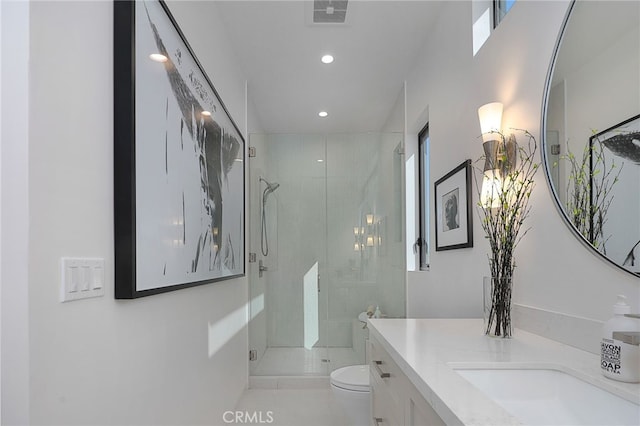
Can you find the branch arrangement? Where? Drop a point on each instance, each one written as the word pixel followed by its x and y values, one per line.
pixel 591 179
pixel 503 227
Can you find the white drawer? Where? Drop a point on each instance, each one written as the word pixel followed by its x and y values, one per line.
pixel 388 375
pixel 395 401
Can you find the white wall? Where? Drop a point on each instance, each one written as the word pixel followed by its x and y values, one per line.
pixel 174 358
pixel 555 272
pixel 443 82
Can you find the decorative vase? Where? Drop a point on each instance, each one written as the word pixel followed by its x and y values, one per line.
pixel 497 306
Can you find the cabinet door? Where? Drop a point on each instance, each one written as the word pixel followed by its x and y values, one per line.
pixel 383 411
pixel 395 401
pixel 386 372
pixel 418 412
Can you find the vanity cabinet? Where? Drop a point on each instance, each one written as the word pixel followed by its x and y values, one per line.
pixel 394 399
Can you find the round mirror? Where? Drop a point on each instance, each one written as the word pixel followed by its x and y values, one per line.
pixel 591 128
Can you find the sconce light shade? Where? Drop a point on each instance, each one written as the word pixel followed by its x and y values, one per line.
pixel 491 189
pixel 499 187
pixel 490 116
pixel 356 230
pixel 356 247
pixel 369 219
pixel 370 241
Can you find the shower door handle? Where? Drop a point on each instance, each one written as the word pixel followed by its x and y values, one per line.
pixel 261 268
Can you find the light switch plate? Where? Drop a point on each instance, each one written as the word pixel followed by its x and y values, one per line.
pixel 81 278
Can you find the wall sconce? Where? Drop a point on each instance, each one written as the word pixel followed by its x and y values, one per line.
pixel 490 116
pixel 369 219
pixel 369 235
pixel 500 154
pixel 358 235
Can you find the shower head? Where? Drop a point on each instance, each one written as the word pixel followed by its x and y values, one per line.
pixel 270 187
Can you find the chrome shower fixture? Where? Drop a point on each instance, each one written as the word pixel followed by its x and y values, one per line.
pixel 264 242
pixel 271 187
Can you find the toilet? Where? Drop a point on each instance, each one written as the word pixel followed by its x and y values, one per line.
pixel 350 387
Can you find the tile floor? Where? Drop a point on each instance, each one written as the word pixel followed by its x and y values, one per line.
pixel 291 407
pixel 290 387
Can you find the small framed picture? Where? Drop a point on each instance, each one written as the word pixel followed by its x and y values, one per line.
pixel 454 224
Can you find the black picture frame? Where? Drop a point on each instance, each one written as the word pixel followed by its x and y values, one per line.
pixel 619 146
pixel 453 218
pixel 179 166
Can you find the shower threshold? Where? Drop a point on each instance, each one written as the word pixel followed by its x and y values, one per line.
pixel 278 361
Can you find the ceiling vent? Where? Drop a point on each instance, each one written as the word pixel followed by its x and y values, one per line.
pixel 329 11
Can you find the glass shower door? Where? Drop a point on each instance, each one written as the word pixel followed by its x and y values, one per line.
pixel 290 309
pixel 330 210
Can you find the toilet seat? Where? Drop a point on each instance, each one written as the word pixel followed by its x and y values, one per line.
pixel 352 378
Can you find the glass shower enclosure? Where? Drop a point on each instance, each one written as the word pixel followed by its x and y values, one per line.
pixel 327 232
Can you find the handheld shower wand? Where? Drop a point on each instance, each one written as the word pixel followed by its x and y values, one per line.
pixel 264 241
pixel 271 187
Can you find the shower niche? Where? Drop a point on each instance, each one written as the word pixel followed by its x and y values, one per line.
pixel 326 222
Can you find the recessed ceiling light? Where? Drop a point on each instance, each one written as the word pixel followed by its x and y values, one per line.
pixel 206 113
pixel 327 59
pixel 320 160
pixel 323 113
pixel 158 57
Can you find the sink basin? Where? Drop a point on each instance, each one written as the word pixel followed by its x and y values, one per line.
pixel 551 397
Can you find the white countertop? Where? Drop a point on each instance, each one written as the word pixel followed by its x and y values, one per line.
pixel 427 350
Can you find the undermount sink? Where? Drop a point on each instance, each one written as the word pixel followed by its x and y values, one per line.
pixel 551 397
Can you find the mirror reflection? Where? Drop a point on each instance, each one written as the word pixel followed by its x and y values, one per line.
pixel 592 127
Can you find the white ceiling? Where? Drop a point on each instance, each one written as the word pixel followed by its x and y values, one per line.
pixel 280 52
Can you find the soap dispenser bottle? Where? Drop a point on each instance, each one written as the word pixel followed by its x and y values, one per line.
pixel 377 313
pixel 618 359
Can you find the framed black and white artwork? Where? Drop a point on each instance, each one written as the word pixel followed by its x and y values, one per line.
pixel 454 224
pixel 614 180
pixel 178 161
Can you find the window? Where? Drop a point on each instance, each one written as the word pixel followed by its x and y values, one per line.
pixel 485 17
pixel 500 9
pixel 423 185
